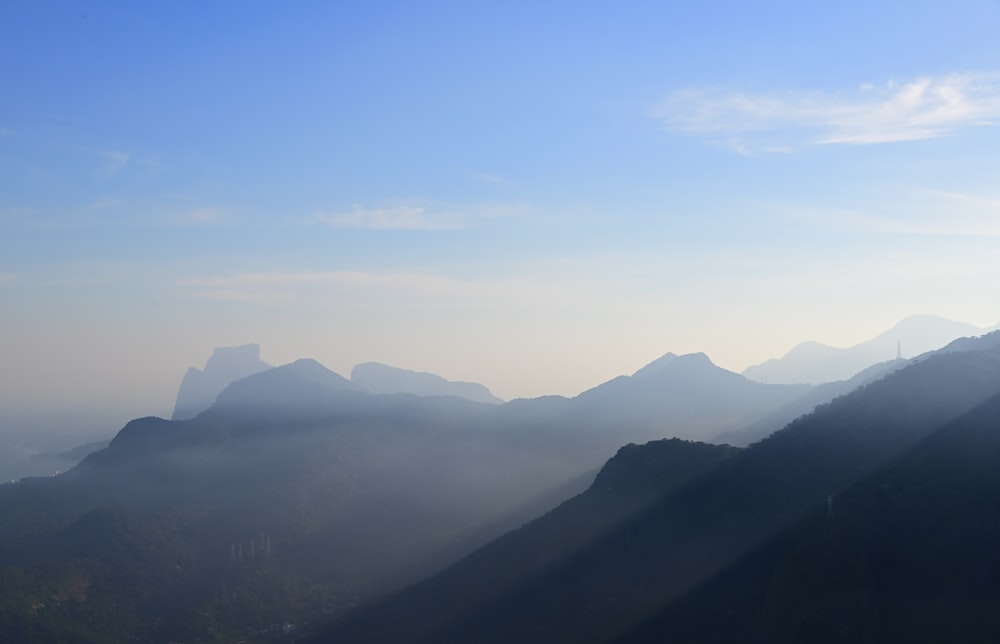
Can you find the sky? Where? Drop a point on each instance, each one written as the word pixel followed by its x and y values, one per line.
pixel 535 196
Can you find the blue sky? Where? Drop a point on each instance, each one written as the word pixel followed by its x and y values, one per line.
pixel 535 197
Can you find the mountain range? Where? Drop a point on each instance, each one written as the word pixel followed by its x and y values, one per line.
pixel 624 583
pixel 298 494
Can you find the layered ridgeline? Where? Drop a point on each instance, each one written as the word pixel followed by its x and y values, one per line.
pixel 200 387
pixel 907 554
pixel 294 494
pixel 642 563
pixel 683 396
pixel 804 404
pixel 298 493
pixel 376 378
pixel 814 362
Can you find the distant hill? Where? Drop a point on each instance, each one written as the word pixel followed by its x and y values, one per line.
pixel 683 396
pixel 813 362
pixel 688 534
pixel 375 378
pixel 199 388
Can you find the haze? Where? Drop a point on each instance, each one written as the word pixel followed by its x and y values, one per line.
pixel 537 199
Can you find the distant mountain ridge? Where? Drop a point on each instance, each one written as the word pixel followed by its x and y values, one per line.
pixel 815 363
pixel 683 396
pixel 377 378
pixel 805 404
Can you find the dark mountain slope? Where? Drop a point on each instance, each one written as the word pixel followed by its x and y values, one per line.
pixel 909 554
pixel 693 532
pixel 629 482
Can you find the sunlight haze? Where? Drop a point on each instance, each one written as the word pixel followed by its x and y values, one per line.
pixel 534 197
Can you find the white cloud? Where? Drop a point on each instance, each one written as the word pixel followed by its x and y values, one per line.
pixel 923 108
pixel 396 218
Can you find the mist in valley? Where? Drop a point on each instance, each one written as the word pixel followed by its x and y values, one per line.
pixel 378 322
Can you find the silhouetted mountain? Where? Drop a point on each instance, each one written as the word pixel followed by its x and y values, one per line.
pixel 813 362
pixel 679 396
pixel 356 494
pixel 908 554
pixel 803 405
pixel 693 532
pixel 301 385
pixel 375 378
pixel 199 388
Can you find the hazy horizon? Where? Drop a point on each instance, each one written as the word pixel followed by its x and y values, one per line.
pixel 537 199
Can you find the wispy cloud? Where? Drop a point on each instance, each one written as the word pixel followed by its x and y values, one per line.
pixel 922 108
pixel 203 216
pixel 395 218
pixel 113 161
pixel 418 217
pixel 5 132
pixel 5 278
pixel 494 179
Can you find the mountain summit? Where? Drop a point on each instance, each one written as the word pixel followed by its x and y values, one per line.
pixel 200 387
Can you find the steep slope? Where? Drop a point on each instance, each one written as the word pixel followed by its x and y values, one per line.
pixel 375 378
pixel 199 388
pixel 692 533
pixel 906 555
pixel 812 362
pixel 633 479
